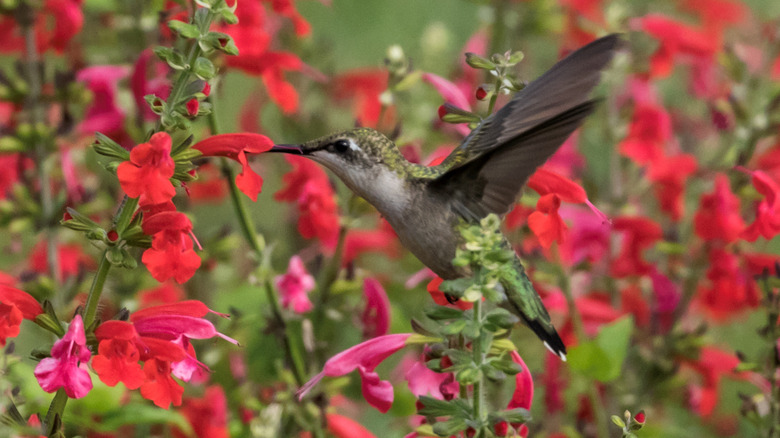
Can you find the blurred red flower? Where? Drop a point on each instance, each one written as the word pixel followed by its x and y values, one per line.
pixel 717 218
pixel 639 233
pixel 15 305
pixel 730 290
pixel 207 415
pixel 669 175
pixel 56 23
pixel 363 87
pixel 308 186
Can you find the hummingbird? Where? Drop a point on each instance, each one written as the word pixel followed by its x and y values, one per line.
pixel 483 175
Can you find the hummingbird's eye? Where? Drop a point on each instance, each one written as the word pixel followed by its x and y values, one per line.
pixel 341 145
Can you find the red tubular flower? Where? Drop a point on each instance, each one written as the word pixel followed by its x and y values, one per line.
pixel 172 254
pixel 15 305
pixel 649 132
pixel 713 364
pixel 718 215
pixel 676 39
pixel 441 299
pixel 767 221
pixel 71 258
pixel 545 182
pixel 147 175
pixel 118 355
pixel 669 176
pixel 344 427
pixel 235 147
pixel 287 9
pixel 207 415
pixel 381 240
pixel 56 23
pixel 731 289
pixel 67 366
pixel 161 336
pixel 640 233
pixel 523 395
pixel 545 222
pixel 364 357
pixel 308 186
pixel 363 87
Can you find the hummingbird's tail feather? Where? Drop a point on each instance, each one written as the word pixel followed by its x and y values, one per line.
pixel 523 301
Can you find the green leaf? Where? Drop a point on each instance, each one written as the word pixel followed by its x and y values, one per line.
pixel 454 327
pixel 479 62
pixel 433 407
pixel 186 30
pixel 517 415
pixel 618 421
pixel 204 69
pixel 109 148
pixel 172 57
pixel 602 358
pixel 449 427
pixel 138 414
pixel 502 318
pixel 440 313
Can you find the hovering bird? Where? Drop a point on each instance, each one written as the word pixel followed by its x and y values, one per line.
pixel 483 175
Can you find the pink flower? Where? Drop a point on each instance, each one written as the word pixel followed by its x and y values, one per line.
pixel 295 286
pixel 364 357
pixel 376 315
pixel 523 395
pixel 104 114
pixel 67 366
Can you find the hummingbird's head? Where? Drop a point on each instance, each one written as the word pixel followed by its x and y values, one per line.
pixel 358 156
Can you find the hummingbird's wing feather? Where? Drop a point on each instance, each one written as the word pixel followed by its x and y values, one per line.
pixel 490 183
pixel 506 148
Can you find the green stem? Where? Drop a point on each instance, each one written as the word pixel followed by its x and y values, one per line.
pixel 54 415
pixel 327 277
pixel 602 424
pixel 478 357
pixel 121 220
pixel 26 18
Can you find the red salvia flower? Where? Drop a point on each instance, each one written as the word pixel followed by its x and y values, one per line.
pixel 172 254
pixel 56 23
pixel 308 186
pixel 207 415
pixel 344 427
pixel 767 221
pixel 545 222
pixel 235 147
pixel 669 175
pixel 639 233
pixel 147 174
pixel 15 305
pixel 363 88
pixel 718 215
pixel 730 290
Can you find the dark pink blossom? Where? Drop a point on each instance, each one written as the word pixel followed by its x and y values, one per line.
pixel 295 285
pixel 376 314
pixel 364 357
pixel 67 366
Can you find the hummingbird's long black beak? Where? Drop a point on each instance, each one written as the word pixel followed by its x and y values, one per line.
pixel 287 149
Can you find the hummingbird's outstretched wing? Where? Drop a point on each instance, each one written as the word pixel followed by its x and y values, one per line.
pixel 486 172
